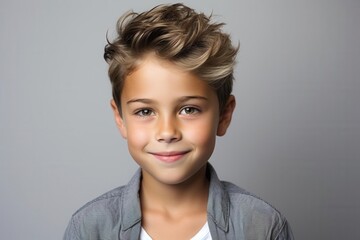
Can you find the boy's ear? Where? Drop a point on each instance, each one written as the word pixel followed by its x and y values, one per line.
pixel 226 115
pixel 118 119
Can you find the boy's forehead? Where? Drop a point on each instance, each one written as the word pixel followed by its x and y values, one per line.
pixel 156 77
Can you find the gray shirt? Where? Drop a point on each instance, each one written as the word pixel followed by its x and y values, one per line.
pixel 232 213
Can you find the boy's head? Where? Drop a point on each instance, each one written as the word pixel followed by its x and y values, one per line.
pixel 177 34
pixel 171 72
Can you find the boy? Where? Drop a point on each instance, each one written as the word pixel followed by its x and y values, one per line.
pixel 171 71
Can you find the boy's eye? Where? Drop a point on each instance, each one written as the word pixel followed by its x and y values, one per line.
pixel 144 112
pixel 189 110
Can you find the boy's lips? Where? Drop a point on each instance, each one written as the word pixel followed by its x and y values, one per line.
pixel 169 157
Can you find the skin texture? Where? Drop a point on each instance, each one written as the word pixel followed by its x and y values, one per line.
pixel 170 119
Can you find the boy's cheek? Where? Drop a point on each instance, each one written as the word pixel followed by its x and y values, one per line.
pixel 137 135
pixel 200 133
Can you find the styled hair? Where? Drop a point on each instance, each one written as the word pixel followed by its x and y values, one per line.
pixel 178 34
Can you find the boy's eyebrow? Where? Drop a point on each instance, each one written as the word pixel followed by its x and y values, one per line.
pixel 182 99
pixel 141 100
pixel 186 98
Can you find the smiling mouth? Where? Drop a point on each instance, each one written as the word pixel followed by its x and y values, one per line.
pixel 169 157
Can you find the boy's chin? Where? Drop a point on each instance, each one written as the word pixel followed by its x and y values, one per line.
pixel 175 176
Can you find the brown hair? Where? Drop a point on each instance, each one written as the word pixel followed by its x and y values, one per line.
pixel 178 34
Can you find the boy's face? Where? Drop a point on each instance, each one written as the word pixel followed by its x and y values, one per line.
pixel 170 119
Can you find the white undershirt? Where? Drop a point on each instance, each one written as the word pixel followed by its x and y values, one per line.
pixel 203 234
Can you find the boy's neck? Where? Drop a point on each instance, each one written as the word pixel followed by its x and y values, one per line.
pixel 177 198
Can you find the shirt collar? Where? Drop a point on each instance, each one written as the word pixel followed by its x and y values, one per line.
pixel 131 209
pixel 218 207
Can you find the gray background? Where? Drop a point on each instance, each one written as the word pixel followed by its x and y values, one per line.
pixel 294 140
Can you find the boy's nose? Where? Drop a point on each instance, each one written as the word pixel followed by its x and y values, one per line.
pixel 168 131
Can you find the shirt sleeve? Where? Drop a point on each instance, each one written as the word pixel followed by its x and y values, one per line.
pixel 71 232
pixel 285 232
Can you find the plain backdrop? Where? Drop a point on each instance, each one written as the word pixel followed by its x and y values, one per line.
pixel 294 139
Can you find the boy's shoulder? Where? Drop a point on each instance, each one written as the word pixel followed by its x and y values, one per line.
pixel 97 219
pixel 239 199
pixel 240 195
pixel 102 217
pixel 244 201
pixel 255 215
pixel 109 201
pixel 241 213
